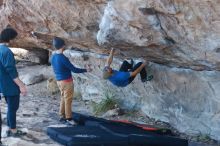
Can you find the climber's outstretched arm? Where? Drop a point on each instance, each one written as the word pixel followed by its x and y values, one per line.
pixel 110 58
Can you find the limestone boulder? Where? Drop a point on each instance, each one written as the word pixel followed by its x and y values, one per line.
pixel 177 33
pixel 189 100
pixel 39 56
pixel 30 79
pixel 181 38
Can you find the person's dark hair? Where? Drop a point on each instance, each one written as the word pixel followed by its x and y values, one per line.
pixel 58 43
pixel 8 34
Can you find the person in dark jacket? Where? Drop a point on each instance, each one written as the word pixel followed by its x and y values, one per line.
pixel 10 84
pixel 127 72
pixel 62 68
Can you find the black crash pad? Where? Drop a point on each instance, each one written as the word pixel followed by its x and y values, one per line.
pixel 91 120
pixel 93 131
pixel 104 136
pixel 85 136
pixel 201 144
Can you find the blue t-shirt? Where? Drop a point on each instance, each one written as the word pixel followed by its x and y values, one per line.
pixel 120 78
pixel 63 67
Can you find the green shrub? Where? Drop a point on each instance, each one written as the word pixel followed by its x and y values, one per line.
pixel 108 103
pixel 204 137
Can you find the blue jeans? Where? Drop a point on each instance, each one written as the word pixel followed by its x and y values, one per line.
pixel 13 105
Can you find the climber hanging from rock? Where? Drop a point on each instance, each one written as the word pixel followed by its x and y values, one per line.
pixel 127 72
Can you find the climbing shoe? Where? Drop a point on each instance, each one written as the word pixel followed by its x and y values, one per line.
pixel 70 121
pixel 148 78
pixel 18 133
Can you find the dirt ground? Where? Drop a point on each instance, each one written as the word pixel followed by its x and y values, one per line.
pixel 39 109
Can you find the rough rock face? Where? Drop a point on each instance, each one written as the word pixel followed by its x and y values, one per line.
pixel 176 32
pixel 180 34
pixel 188 100
pixel 39 56
pixel 76 21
